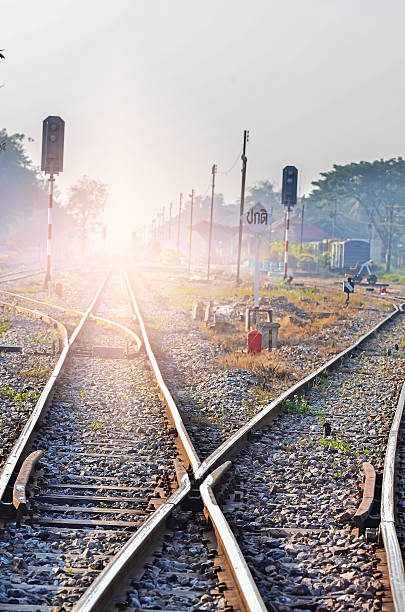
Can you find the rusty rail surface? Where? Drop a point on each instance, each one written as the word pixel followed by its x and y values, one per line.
pixel 365 507
pixel 395 563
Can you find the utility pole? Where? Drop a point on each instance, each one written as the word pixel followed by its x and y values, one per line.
pixel 389 246
pixel 302 224
pixel 271 221
pixel 191 230
pixel 214 169
pixel 178 226
pixel 170 220
pixel 242 202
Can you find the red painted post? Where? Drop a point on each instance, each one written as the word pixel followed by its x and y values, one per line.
pixel 254 341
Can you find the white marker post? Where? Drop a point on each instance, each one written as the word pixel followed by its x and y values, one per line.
pixel 257 221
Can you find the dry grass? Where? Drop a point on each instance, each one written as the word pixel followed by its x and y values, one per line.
pixel 264 365
pixel 230 337
pixel 292 333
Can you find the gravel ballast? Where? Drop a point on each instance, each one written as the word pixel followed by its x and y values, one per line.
pixel 300 487
pixel 213 399
pixel 24 374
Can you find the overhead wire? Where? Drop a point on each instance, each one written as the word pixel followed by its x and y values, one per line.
pixel 234 163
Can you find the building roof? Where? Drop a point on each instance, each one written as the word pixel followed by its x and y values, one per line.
pixel 310 232
pixel 219 232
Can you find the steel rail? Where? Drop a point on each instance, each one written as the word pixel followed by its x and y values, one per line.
pixel 395 562
pixel 24 439
pixel 243 579
pixel 19 277
pixel 174 413
pixel 16 272
pixel 226 450
pixel 94 317
pixel 100 594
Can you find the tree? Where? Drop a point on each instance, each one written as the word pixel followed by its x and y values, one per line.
pixel 264 192
pixel 23 201
pixel 22 191
pixel 86 203
pixel 372 192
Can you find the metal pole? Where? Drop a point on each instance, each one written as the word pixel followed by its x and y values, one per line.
pixel 191 230
pixel 163 223
pixel 242 204
pixel 49 240
pixel 257 271
pixel 302 225
pixel 178 226
pixel 170 220
pixel 214 169
pixel 287 227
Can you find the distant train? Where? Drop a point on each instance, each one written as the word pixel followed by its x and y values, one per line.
pixel 352 257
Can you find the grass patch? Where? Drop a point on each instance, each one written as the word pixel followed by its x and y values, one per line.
pixel 39 371
pixel 4 326
pixel 393 277
pixel 299 405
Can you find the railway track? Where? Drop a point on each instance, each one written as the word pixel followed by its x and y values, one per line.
pixel 187 567
pixel 107 462
pixel 94 487
pixel 392 506
pixel 10 277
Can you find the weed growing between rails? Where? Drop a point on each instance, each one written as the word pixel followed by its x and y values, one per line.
pixel 4 326
pixel 18 396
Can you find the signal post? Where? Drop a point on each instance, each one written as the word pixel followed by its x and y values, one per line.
pixel 288 199
pixel 53 132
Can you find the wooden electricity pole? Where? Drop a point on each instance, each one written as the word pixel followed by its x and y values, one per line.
pixel 214 169
pixel 191 230
pixel 242 203
pixel 170 221
pixel 178 226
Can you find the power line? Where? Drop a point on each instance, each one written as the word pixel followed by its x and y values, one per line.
pixel 234 163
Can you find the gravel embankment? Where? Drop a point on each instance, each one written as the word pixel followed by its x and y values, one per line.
pixel 23 375
pixel 300 488
pixel 215 400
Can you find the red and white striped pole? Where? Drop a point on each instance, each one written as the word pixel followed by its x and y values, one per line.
pixel 49 240
pixel 287 227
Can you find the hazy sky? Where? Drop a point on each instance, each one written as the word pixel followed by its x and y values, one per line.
pixel 154 92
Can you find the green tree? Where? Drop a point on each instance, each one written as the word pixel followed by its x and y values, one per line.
pixel 86 204
pixel 373 192
pixel 23 201
pixel 22 191
pixel 263 192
